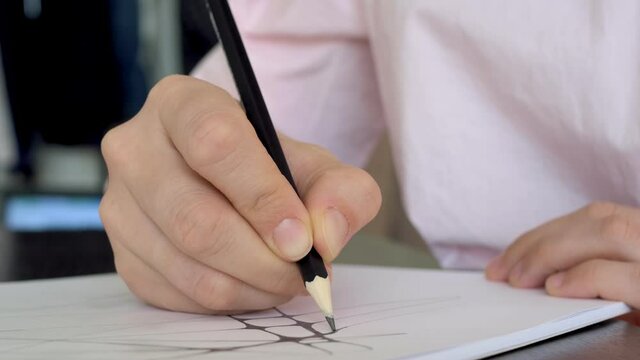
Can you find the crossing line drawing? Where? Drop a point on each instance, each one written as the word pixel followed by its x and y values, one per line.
pixel 115 323
pixel 380 313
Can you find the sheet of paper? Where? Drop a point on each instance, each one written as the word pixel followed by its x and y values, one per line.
pixel 380 313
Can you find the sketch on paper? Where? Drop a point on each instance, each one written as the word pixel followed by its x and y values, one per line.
pixel 117 322
pixel 261 332
pixel 264 330
pixel 380 314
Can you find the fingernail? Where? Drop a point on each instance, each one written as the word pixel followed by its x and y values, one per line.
pixel 336 229
pixel 292 239
pixel 555 281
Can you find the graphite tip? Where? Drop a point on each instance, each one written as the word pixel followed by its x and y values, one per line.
pixel 320 291
pixel 332 323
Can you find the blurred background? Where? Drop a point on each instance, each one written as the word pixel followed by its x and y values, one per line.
pixel 73 69
pixel 70 70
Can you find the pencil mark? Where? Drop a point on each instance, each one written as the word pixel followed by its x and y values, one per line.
pixel 272 332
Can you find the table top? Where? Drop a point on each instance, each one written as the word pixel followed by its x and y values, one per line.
pixel 56 254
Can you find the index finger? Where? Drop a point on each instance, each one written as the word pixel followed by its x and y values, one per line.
pixel 192 214
pixel 213 135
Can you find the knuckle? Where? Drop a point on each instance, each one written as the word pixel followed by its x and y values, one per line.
pixel 363 188
pixel 122 269
pixel 538 257
pixel 213 137
pixel 591 270
pixel 215 292
pixel 600 209
pixel 125 271
pixel 113 147
pixel 269 199
pixel 130 278
pixel 372 194
pixel 312 162
pixel 187 92
pixel 201 230
pixel 166 85
pixel 617 228
pixel 106 210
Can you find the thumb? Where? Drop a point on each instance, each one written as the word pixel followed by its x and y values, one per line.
pixel 340 198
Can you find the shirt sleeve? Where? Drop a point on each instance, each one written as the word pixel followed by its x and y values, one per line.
pixel 315 69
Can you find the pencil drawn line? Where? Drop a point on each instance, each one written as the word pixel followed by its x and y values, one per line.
pixel 321 341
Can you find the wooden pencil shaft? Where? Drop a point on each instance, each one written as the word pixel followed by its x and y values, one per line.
pixel 247 84
pixel 311 265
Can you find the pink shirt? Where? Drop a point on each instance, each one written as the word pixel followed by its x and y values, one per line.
pixel 502 114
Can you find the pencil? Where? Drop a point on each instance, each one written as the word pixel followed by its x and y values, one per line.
pixel 312 268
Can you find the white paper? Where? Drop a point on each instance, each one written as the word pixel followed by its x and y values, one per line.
pixel 380 313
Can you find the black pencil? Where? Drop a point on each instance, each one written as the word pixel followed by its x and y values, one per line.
pixel 312 268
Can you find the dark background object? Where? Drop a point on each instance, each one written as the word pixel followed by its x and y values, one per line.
pixel 26 255
pixel 70 70
pixel 198 36
pixel 51 254
pixel 125 28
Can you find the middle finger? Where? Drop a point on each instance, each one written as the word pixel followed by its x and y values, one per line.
pixel 208 286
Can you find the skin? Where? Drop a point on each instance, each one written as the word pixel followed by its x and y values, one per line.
pixel 590 253
pixel 200 218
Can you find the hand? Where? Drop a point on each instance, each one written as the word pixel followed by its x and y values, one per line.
pixel 593 252
pixel 200 218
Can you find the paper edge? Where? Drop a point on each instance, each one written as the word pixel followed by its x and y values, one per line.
pixel 504 343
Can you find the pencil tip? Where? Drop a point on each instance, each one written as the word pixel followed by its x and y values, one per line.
pixel 332 323
pixel 320 291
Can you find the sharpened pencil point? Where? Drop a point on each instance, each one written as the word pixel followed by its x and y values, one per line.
pixel 332 323
pixel 320 291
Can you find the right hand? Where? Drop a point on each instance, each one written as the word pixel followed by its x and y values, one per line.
pixel 198 215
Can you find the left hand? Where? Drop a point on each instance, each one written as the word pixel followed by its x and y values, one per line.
pixel 593 252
